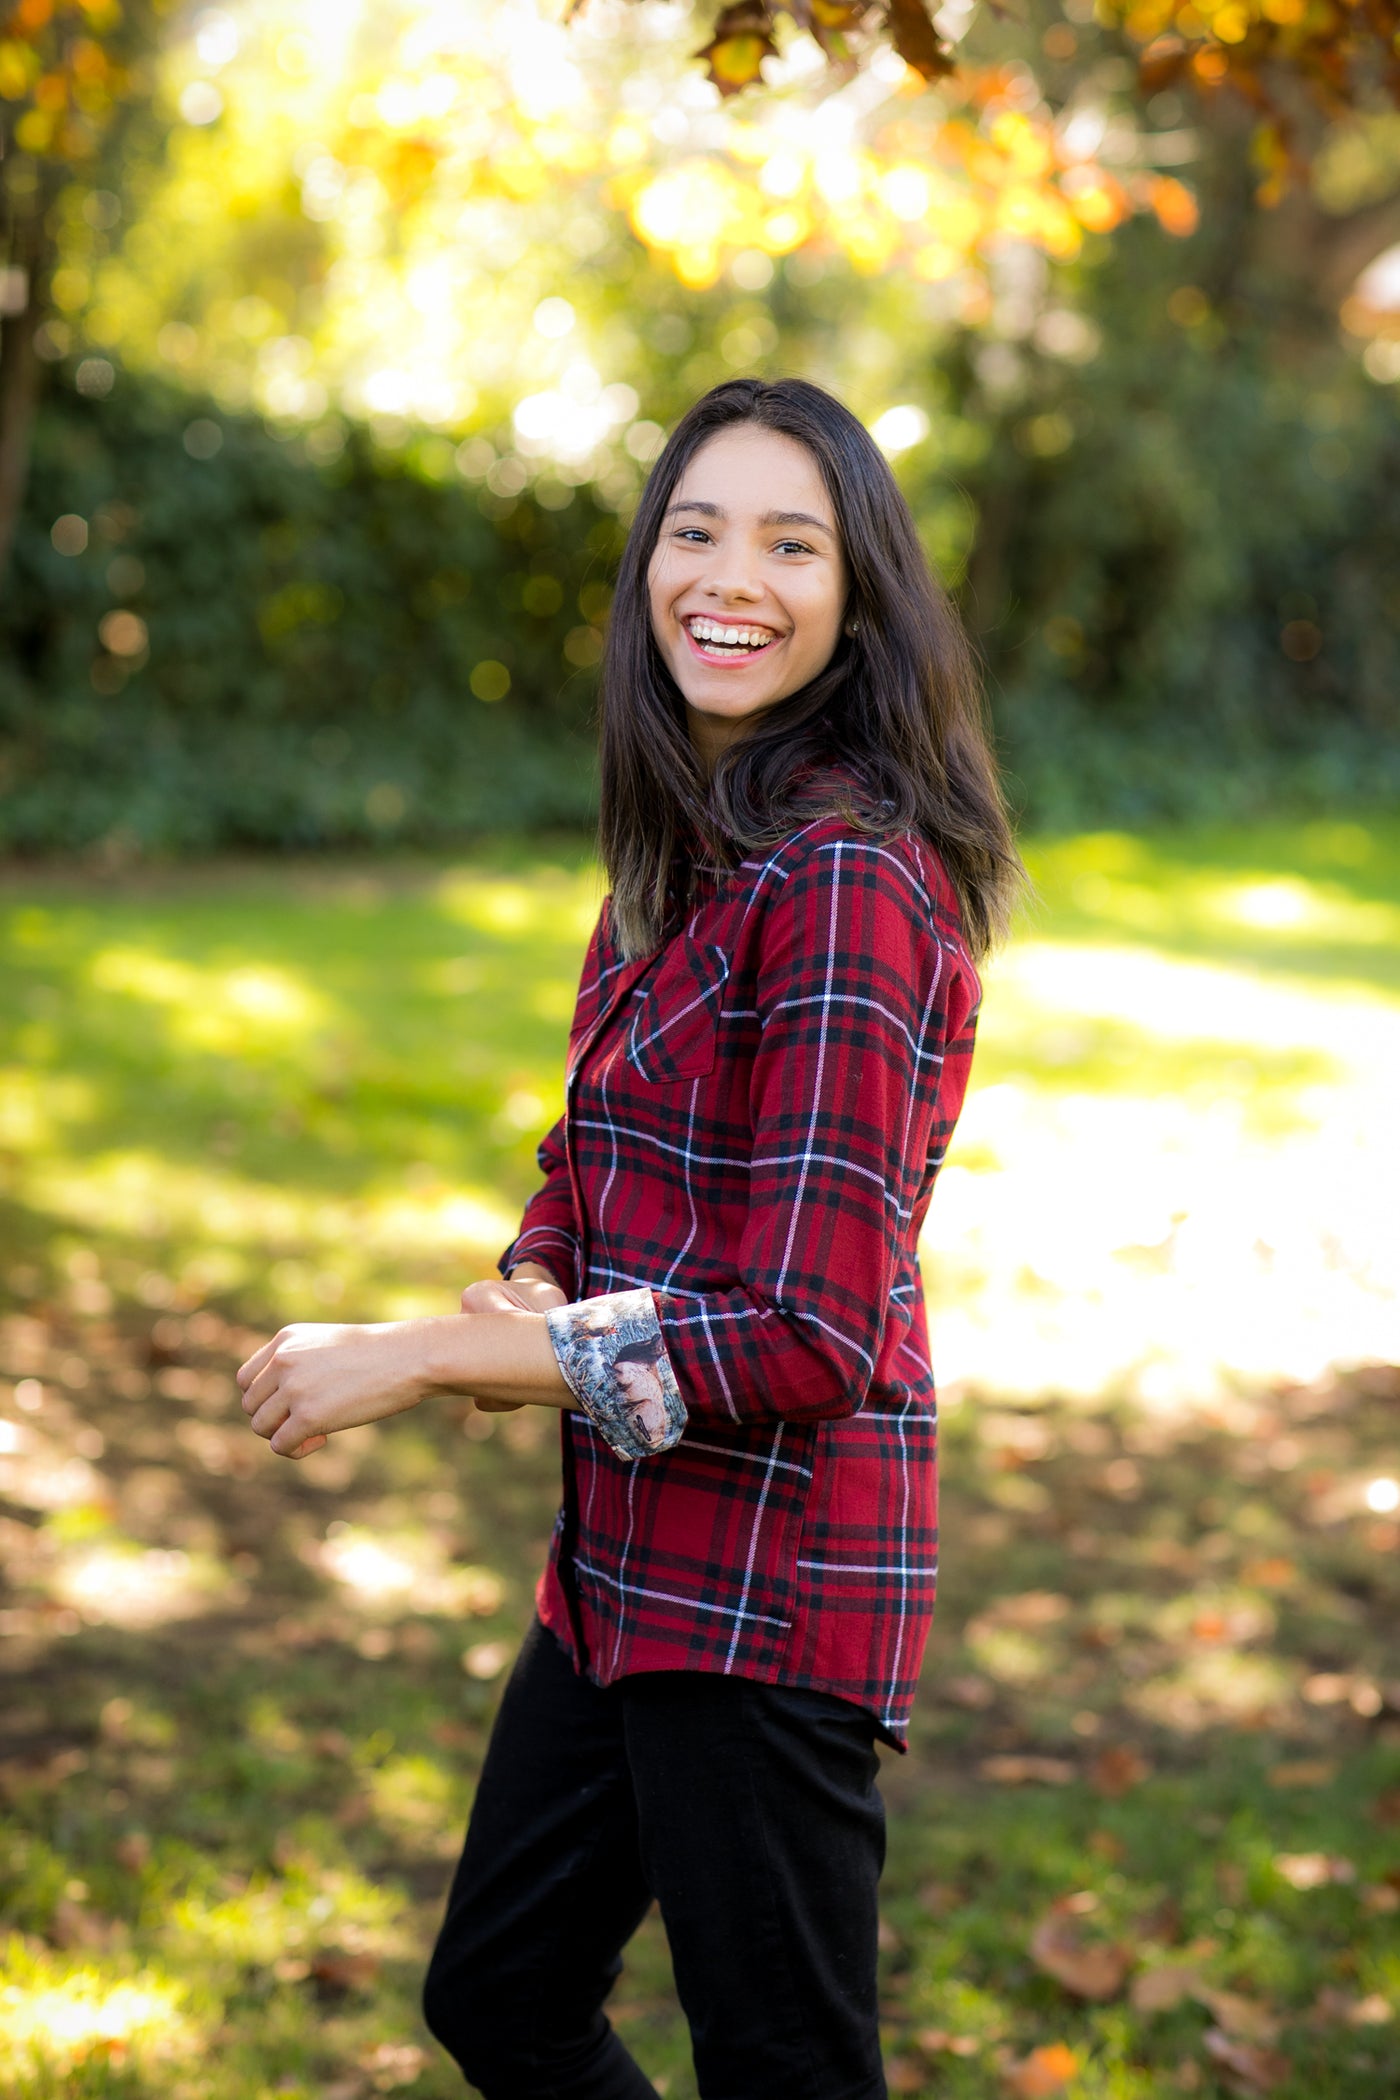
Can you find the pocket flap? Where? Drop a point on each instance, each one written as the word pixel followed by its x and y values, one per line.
pixel 675 1030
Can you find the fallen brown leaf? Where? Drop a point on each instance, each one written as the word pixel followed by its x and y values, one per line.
pixel 1117 1770
pixel 336 1973
pixel 1312 1870
pixel 1272 1573
pixel 975 1693
pixel 1303 1771
pixel 1248 2068
pixel 1092 1969
pixel 1162 1923
pixel 1019 1771
pixel 392 2064
pixel 74 1925
pixel 1334 2005
pixel 1163 1988
pixel 1043 2073
pixel 1244 2018
pixel 937 2041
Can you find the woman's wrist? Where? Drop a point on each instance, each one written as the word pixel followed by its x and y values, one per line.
pixel 505 1356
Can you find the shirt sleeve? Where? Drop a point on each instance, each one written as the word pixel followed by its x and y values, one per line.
pixel 859 996
pixel 549 1231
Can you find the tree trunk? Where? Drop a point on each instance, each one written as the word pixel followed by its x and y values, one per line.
pixel 21 379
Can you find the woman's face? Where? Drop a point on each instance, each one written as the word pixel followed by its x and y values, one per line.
pixel 747 583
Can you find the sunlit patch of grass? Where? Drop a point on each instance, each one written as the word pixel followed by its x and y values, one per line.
pixel 68 2022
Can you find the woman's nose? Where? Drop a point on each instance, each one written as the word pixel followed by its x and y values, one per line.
pixel 733 582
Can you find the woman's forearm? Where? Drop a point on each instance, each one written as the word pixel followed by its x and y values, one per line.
pixel 504 1356
pixel 310 1381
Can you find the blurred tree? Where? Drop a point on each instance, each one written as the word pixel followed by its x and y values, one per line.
pixel 72 72
pixel 502 253
pixel 1275 54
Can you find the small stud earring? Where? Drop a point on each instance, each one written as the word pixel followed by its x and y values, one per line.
pixel 853 627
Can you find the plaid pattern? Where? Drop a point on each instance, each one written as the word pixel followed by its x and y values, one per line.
pixel 756 1115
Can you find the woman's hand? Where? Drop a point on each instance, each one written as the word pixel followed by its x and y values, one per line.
pixel 311 1380
pixel 314 1378
pixel 528 1288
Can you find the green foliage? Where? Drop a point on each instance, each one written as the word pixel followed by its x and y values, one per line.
pixel 1184 571
pixel 253 648
pixel 1181 559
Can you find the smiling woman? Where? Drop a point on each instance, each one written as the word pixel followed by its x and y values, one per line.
pixel 778 646
pixel 717 1285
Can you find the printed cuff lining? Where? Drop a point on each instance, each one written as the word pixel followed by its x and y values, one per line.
pixel 613 1358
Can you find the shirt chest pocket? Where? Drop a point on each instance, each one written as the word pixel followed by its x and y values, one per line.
pixel 675 1028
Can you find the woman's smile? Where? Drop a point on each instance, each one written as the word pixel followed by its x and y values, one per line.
pixel 720 642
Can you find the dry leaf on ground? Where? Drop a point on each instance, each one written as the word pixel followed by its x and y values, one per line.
pixel 336 1973
pixel 1092 1969
pixel 1242 2017
pixel 1303 1771
pixel 1312 1870
pixel 1332 2004
pixel 1163 1988
pixel 1116 1770
pixel 1018 1771
pixel 1043 2073
pixel 937 2041
pixel 1248 2068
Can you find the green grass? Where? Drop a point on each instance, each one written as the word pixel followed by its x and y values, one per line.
pixel 234 1763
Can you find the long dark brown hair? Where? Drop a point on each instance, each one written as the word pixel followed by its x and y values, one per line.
pixel 892 734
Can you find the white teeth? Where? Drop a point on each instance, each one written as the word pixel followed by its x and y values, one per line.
pixel 709 631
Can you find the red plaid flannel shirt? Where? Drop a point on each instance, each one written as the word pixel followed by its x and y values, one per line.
pixel 755 1117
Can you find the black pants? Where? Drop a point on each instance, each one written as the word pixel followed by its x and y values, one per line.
pixel 748 1811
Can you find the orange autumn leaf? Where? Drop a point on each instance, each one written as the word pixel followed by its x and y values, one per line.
pixel 1043 2073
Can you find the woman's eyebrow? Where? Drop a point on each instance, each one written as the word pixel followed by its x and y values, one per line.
pixel 770 517
pixel 795 517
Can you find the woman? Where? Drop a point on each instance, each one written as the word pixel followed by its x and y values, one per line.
pixel 717 1284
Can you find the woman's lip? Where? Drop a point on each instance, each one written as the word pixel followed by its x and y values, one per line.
pixel 698 649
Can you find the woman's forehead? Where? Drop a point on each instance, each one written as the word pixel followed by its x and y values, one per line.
pixel 750 473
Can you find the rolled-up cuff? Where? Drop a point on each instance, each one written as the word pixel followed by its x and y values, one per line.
pixel 614 1361
pixel 550 1246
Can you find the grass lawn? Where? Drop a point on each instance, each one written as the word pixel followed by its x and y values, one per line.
pixel 1147 1840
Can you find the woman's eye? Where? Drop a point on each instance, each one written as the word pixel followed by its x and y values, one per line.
pixel 792 547
pixel 693 532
